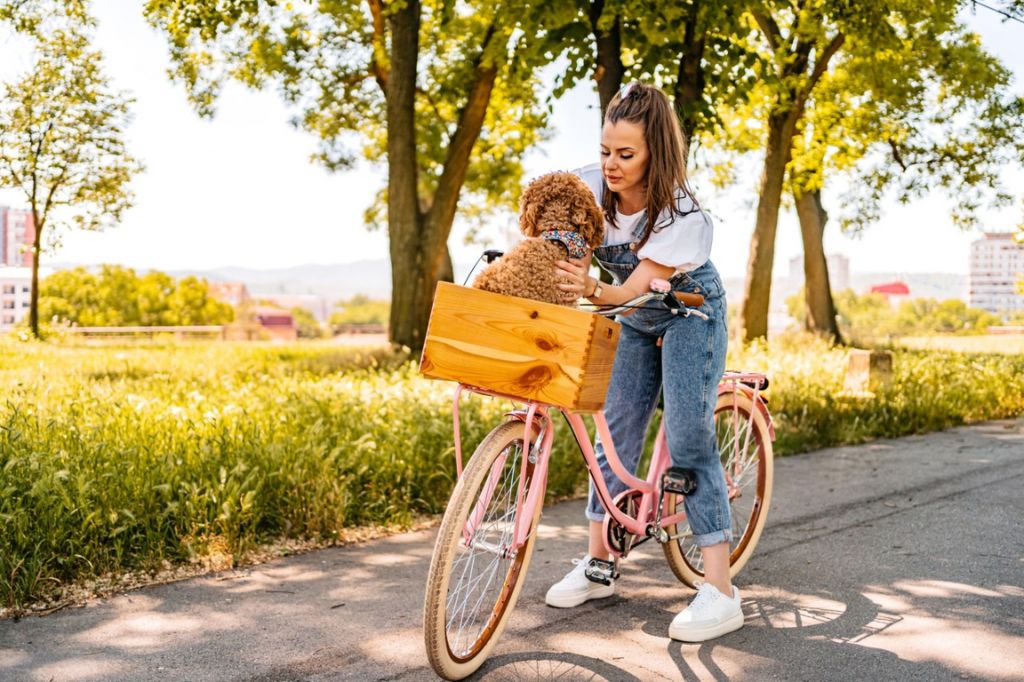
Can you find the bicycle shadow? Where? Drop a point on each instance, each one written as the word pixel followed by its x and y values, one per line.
pixel 543 665
pixel 809 635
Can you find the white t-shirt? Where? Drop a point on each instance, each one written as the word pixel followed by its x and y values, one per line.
pixel 682 242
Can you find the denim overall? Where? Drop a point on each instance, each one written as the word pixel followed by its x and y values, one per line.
pixel 689 364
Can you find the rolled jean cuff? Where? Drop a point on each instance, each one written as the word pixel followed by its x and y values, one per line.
pixel 595 516
pixel 713 538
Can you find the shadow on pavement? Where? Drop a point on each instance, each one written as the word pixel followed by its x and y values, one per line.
pixel 544 665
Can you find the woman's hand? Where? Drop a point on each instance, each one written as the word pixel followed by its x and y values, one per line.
pixel 573 273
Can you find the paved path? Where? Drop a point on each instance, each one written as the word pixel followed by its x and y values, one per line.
pixel 900 559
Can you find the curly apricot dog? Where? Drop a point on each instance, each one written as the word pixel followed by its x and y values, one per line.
pixel 561 218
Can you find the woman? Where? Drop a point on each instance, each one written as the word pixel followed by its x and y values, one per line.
pixel 655 229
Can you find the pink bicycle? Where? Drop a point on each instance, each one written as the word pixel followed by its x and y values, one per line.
pixel 489 528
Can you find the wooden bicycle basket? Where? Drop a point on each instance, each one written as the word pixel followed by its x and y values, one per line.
pixel 521 348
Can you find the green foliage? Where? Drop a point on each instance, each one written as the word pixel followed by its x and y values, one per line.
pixel 61 136
pixel 62 142
pixel 117 296
pixel 114 459
pixel 930 390
pixel 866 318
pixel 35 17
pixel 330 61
pixel 306 324
pixel 359 310
pixel 122 458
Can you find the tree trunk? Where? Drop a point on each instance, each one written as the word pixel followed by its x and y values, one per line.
pixel 820 309
pixel 689 90
pixel 410 276
pixel 757 290
pixel 608 70
pixel 419 241
pixel 33 306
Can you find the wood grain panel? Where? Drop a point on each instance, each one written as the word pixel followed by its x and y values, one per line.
pixel 533 350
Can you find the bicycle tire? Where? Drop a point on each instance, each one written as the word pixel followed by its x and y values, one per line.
pixel 454 648
pixel 682 554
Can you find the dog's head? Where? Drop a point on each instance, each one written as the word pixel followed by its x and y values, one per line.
pixel 561 201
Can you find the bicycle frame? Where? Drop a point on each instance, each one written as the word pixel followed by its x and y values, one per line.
pixel 540 453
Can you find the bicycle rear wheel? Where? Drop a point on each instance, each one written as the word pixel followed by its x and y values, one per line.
pixel 745 447
pixel 473 583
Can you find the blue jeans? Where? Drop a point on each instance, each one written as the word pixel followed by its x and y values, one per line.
pixel 689 365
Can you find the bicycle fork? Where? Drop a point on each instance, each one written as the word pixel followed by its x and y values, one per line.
pixel 527 493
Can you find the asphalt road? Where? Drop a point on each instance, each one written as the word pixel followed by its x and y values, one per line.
pixel 897 560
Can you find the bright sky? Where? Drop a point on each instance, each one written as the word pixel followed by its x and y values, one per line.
pixel 240 189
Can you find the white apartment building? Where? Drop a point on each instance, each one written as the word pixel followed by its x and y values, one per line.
pixel 838 271
pixel 996 267
pixel 15 294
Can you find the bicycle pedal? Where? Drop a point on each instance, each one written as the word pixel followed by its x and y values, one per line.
pixel 679 480
pixel 600 571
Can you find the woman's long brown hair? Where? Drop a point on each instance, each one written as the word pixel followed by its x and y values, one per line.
pixel 649 108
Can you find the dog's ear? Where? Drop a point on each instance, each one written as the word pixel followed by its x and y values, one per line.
pixel 530 204
pixel 587 216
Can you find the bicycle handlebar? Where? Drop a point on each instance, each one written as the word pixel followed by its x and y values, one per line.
pixel 678 302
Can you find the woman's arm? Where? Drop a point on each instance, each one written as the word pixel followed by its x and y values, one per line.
pixel 578 283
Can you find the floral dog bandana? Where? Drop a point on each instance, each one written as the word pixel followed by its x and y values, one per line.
pixel 574 243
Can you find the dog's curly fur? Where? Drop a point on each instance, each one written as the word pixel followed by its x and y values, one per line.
pixel 556 201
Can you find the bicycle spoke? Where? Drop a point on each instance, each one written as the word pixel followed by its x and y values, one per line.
pixel 480 569
pixel 739 451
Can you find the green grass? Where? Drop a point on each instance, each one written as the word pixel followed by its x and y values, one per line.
pixel 132 458
pixel 984 343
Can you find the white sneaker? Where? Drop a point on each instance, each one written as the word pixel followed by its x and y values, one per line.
pixel 711 614
pixel 576 588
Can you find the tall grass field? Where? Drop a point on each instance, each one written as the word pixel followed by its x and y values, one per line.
pixel 116 459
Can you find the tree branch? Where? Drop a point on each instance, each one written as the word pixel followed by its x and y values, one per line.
pixel 896 154
pixel 53 190
pixel 380 72
pixel 10 167
pixel 471 120
pixel 432 103
pixel 821 64
pixel 770 29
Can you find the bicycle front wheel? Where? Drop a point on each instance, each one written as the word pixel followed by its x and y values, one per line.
pixel 745 447
pixel 474 579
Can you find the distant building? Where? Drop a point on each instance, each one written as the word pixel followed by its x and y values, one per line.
pixel 17 234
pixel 891 289
pixel 276 323
pixel 318 306
pixel 894 292
pixel 232 293
pixel 838 271
pixel 15 295
pixel 996 266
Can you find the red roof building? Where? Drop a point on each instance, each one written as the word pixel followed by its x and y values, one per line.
pixel 891 289
pixel 277 323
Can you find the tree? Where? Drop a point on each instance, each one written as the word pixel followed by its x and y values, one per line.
pixel 800 39
pixel 921 107
pixel 32 17
pixel 801 47
pixel 306 324
pixel 62 142
pixel 118 296
pixel 445 94
pixel 357 311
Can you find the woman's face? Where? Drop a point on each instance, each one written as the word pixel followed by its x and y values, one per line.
pixel 624 155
